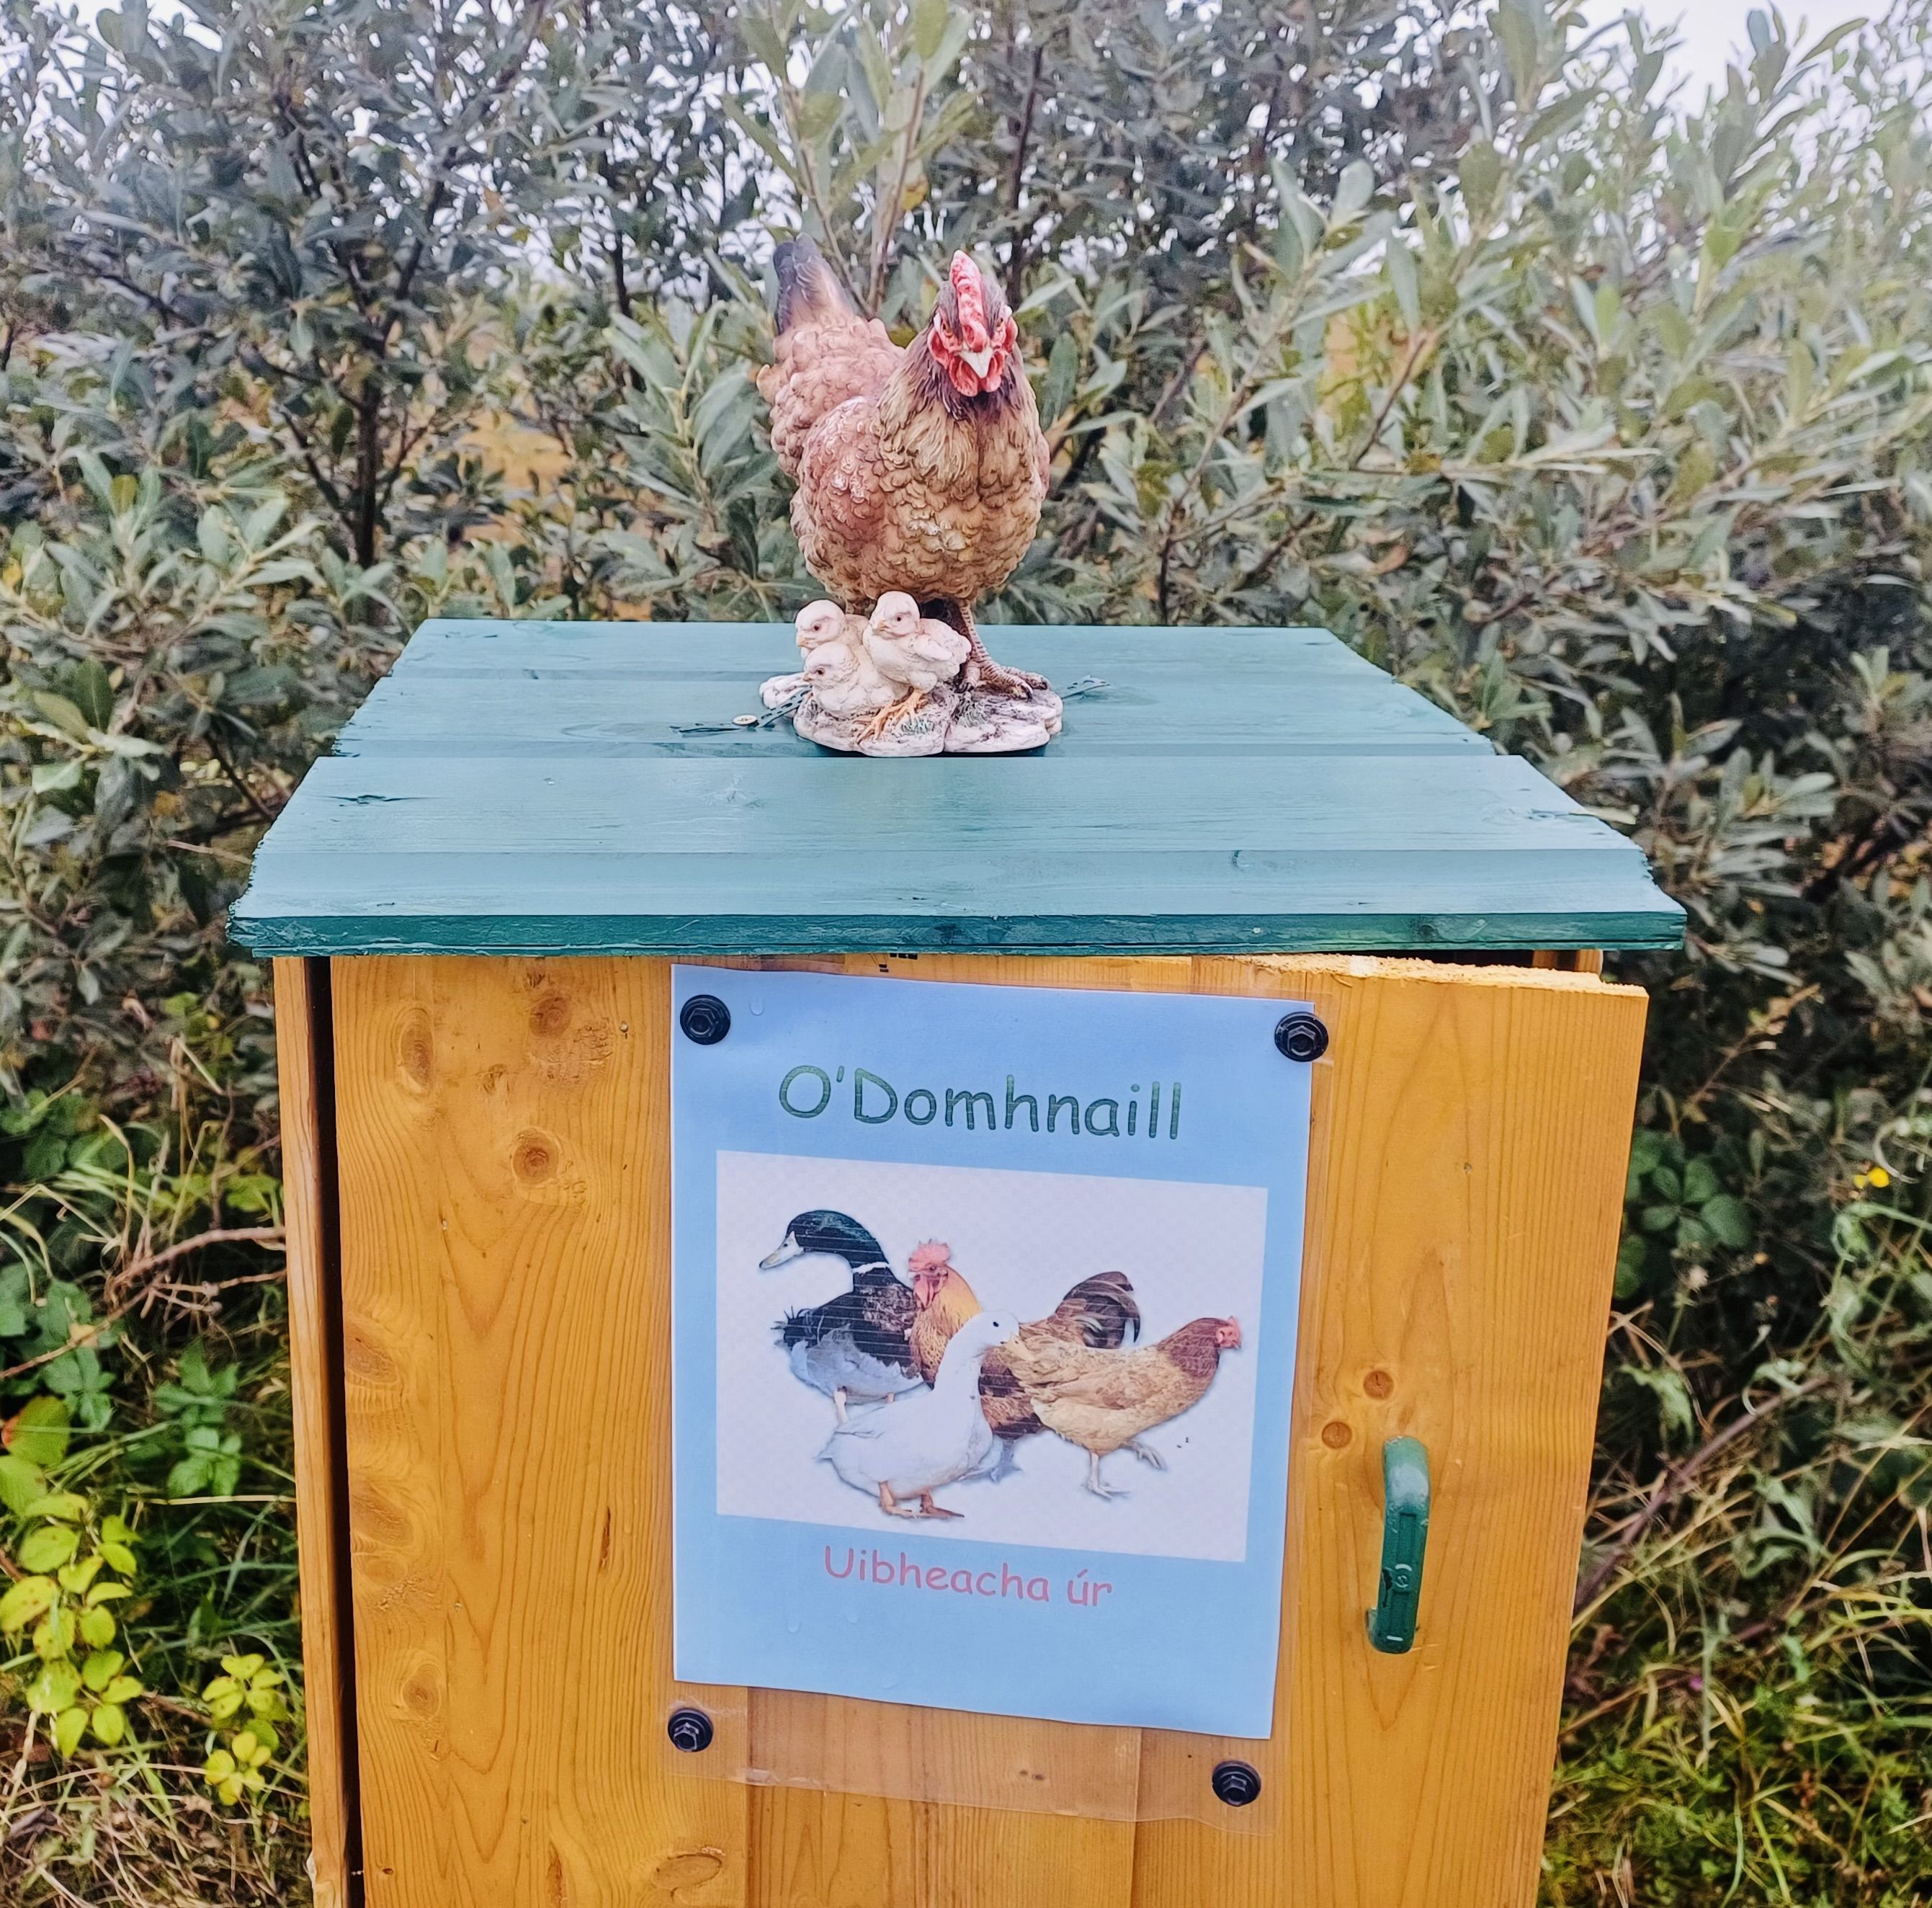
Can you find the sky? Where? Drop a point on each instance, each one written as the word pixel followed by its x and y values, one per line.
pixel 1712 31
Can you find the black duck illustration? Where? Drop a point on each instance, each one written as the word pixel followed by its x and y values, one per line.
pixel 857 1346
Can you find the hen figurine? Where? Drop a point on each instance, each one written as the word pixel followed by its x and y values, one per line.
pixel 920 469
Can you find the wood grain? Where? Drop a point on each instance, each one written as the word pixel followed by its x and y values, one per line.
pixel 308 1193
pixel 894 1844
pixel 505 1144
pixel 506 1242
pixel 1203 853
pixel 461 689
pixel 1471 1130
pixel 531 788
pixel 855 1850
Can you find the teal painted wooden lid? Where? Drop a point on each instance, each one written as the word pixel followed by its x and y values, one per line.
pixel 579 788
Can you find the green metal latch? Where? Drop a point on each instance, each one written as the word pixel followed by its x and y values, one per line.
pixel 1405 1539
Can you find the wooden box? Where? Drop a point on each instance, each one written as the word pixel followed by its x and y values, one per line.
pixel 473 907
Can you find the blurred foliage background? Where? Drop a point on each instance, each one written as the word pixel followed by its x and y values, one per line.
pixel 1600 413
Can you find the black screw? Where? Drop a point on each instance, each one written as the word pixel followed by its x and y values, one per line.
pixel 705 1019
pixel 690 1730
pixel 1237 1783
pixel 1301 1036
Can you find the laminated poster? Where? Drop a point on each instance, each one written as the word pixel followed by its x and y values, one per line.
pixel 984 1316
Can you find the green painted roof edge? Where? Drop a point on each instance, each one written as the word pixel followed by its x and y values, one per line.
pixel 1635 914
pixel 1661 927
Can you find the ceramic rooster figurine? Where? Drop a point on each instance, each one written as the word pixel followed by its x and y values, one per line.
pixel 920 469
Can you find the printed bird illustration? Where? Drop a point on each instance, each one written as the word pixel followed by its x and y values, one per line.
pixel 934 1438
pixel 1104 1401
pixel 915 652
pixel 920 469
pixel 1099 1312
pixel 857 1345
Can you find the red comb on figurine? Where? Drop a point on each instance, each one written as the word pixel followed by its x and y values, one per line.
pixel 971 294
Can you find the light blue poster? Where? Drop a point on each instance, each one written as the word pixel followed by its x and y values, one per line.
pixel 984 1317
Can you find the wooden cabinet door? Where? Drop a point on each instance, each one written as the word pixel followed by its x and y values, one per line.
pixel 494 1403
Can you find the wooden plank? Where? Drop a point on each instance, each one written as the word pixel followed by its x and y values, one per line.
pixel 506 1241
pixel 904 1754
pixel 555 716
pixel 1569 960
pixel 334 916
pixel 702 857
pixel 673 689
pixel 854 1849
pixel 704 812
pixel 581 789
pixel 1040 935
pixel 863 1849
pixel 303 1068
pixel 1180 657
pixel 1470 1128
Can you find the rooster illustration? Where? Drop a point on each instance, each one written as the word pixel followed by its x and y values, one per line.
pixel 920 469
pixel 1099 1313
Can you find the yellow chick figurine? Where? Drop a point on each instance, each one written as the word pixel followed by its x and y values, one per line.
pixel 913 652
pixel 822 622
pixel 843 681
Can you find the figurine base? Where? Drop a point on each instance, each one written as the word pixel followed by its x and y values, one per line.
pixel 950 720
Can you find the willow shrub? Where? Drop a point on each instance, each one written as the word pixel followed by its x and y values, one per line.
pixel 1600 414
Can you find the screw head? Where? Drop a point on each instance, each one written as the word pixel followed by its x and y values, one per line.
pixel 705 1020
pixel 1236 1784
pixel 1301 1036
pixel 690 1730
